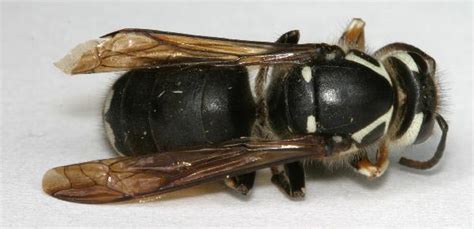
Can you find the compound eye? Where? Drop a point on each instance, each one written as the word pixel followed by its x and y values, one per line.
pixel 424 74
pixel 426 127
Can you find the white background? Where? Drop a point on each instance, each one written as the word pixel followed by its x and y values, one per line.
pixel 51 119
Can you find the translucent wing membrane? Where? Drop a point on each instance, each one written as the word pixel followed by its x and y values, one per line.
pixel 140 48
pixel 125 178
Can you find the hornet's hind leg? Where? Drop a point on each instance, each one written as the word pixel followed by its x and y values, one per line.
pixel 290 178
pixel 244 183
pixel 353 37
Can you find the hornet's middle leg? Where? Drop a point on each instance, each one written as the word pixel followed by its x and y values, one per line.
pixel 244 183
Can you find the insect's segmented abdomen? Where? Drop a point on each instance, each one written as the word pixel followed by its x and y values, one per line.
pixel 152 110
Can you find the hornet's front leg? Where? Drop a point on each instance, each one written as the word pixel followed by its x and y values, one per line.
pixel 353 37
pixel 365 167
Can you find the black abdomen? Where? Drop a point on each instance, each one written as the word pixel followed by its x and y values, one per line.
pixel 152 110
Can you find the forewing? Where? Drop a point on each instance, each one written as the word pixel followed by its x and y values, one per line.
pixel 139 48
pixel 126 178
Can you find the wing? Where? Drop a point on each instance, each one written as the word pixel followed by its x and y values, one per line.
pixel 126 178
pixel 140 48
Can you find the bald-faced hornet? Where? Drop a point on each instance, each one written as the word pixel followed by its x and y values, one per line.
pixel 193 109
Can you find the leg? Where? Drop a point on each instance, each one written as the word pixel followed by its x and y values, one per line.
pixel 290 37
pixel 438 153
pixel 365 167
pixel 353 37
pixel 244 183
pixel 290 178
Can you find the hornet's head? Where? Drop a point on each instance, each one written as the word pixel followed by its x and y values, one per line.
pixel 413 72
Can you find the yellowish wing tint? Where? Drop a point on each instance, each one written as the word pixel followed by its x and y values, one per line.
pixel 124 178
pixel 139 48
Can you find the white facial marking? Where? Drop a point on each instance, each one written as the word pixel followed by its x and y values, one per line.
pixel 311 124
pixel 378 69
pixel 307 75
pixel 177 92
pixel 409 137
pixel 385 118
pixel 407 60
